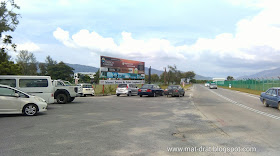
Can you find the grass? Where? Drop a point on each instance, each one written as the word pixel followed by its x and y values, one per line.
pixel 245 90
pixel 111 89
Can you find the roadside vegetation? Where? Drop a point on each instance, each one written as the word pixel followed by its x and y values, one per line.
pixel 250 91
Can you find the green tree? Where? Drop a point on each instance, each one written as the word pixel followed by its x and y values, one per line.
pixel 230 78
pixel 8 22
pixel 173 75
pixel 8 67
pixel 61 71
pixel 43 69
pixel 154 78
pixel 85 79
pixel 190 75
pixel 27 61
pixel 96 77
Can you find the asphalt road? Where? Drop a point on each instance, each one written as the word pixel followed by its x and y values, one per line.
pixel 112 125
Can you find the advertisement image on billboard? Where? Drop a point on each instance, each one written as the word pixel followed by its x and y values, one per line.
pixel 121 68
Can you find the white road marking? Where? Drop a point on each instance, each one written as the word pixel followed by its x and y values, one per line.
pixel 246 107
pixel 253 96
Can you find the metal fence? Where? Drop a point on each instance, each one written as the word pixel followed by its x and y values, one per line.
pixel 254 84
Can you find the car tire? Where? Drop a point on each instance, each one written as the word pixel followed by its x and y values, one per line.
pixel 129 94
pixel 61 98
pixel 140 95
pixel 30 110
pixel 118 94
pixel 265 103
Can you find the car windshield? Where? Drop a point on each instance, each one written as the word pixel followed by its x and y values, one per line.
pixel 122 85
pixel 148 86
pixel 87 86
pixel 172 87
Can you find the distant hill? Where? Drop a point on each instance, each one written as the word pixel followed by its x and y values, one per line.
pixel 264 74
pixel 84 68
pixel 153 71
pixel 199 77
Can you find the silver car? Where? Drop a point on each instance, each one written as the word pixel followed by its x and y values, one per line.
pixel 213 86
pixel 127 89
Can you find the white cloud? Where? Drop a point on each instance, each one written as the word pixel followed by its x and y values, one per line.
pixel 255 40
pixel 129 47
pixel 29 46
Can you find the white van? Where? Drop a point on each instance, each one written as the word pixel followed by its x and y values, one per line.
pixel 35 85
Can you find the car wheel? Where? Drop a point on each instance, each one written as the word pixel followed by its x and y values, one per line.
pixel 265 103
pixel 118 94
pixel 140 95
pixel 129 94
pixel 61 98
pixel 30 110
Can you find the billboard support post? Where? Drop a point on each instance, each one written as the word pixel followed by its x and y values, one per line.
pixel 103 89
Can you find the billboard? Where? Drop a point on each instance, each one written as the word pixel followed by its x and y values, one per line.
pixel 121 68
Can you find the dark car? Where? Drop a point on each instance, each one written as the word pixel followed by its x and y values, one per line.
pixel 174 90
pixel 150 90
pixel 271 97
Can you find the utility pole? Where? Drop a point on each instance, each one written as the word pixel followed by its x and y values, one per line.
pixel 165 75
pixel 150 75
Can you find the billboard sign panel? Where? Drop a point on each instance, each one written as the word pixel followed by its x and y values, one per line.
pixel 121 68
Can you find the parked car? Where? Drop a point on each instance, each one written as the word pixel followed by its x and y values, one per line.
pixel 206 84
pixel 36 85
pixel 87 89
pixel 63 93
pixel 14 101
pixel 150 90
pixel 174 90
pixel 271 97
pixel 213 86
pixel 127 89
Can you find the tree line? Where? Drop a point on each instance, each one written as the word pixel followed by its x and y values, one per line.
pixel 172 76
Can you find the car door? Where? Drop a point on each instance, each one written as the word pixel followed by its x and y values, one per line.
pixel 274 98
pixel 9 102
pixel 268 96
pixel 180 90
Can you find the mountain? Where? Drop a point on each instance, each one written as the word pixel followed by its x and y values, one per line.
pixel 268 74
pixel 199 77
pixel 153 71
pixel 82 68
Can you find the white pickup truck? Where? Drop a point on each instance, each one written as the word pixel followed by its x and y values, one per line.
pixel 65 93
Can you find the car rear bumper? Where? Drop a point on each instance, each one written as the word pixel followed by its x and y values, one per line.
pixel 145 93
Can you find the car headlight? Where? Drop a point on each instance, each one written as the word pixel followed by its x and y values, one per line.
pixel 39 99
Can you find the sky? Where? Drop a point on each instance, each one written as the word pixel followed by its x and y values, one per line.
pixel 214 38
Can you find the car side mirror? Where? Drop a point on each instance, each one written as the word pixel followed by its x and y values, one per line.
pixel 16 95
